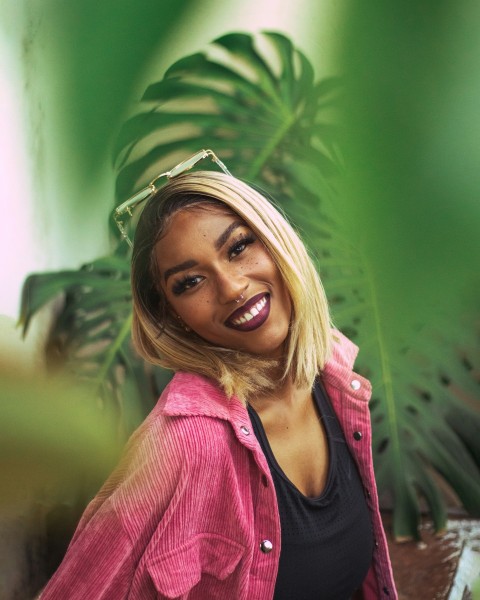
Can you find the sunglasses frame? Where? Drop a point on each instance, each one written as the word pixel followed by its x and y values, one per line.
pixel 145 193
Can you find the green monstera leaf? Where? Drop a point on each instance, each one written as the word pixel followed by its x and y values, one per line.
pixel 256 111
pixel 255 102
pixel 424 373
pixel 90 337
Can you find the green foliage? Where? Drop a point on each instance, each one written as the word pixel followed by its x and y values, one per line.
pixel 55 441
pixel 410 138
pixel 256 103
pixel 97 52
pixel 91 335
pixel 259 120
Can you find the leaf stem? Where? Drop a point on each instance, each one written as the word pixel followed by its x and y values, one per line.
pixel 113 349
pixel 265 154
pixel 386 370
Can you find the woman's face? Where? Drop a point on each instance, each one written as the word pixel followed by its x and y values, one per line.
pixel 207 261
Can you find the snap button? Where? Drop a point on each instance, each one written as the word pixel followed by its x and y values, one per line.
pixel 357 435
pixel 355 384
pixel 245 430
pixel 386 592
pixel 266 546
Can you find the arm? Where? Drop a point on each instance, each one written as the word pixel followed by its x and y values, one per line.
pixel 104 554
pixel 98 564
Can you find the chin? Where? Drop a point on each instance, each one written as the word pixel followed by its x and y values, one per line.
pixel 273 351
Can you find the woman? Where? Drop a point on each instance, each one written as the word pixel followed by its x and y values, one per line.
pixel 252 478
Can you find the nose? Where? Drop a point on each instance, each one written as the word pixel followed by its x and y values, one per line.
pixel 230 285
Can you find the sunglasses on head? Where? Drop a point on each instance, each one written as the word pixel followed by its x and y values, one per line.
pixel 129 205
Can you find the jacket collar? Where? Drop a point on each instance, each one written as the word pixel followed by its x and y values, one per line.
pixel 338 372
pixel 190 394
pixel 344 352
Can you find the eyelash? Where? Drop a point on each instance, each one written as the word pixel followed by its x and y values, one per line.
pixel 188 281
pixel 243 240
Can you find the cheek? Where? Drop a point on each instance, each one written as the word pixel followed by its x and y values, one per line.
pixel 194 310
pixel 264 267
pixel 262 262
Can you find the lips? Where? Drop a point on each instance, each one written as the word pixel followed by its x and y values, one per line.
pixel 251 315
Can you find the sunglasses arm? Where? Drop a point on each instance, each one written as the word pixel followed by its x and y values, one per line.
pixel 128 206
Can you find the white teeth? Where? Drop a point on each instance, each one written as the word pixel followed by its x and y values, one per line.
pixel 248 316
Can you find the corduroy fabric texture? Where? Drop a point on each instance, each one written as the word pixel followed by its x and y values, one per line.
pixel 185 513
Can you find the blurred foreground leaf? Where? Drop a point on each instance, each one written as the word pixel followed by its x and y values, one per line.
pixel 96 55
pixel 409 201
pixel 56 442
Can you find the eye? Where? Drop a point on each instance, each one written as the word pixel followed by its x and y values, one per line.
pixel 186 283
pixel 239 245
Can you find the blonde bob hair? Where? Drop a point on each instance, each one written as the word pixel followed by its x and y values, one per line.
pixel 160 337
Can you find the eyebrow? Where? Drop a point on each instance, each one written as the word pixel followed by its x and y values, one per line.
pixel 188 264
pixel 227 233
pixel 219 242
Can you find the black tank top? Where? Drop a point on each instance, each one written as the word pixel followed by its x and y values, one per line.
pixel 327 542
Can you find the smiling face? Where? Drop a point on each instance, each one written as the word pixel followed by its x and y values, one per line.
pixel 209 259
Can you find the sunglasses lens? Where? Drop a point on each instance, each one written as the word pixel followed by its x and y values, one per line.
pixel 133 201
pixel 187 164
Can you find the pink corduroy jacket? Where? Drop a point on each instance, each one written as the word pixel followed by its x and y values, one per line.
pixel 187 513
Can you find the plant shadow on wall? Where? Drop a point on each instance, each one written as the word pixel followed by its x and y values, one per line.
pixel 254 100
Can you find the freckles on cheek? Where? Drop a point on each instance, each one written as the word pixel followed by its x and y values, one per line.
pixel 251 263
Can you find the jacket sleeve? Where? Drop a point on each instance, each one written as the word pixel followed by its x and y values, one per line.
pixel 116 527
pixel 98 564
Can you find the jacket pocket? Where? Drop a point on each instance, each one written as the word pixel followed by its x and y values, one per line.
pixel 178 571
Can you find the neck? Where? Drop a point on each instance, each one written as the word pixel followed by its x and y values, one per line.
pixel 286 395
